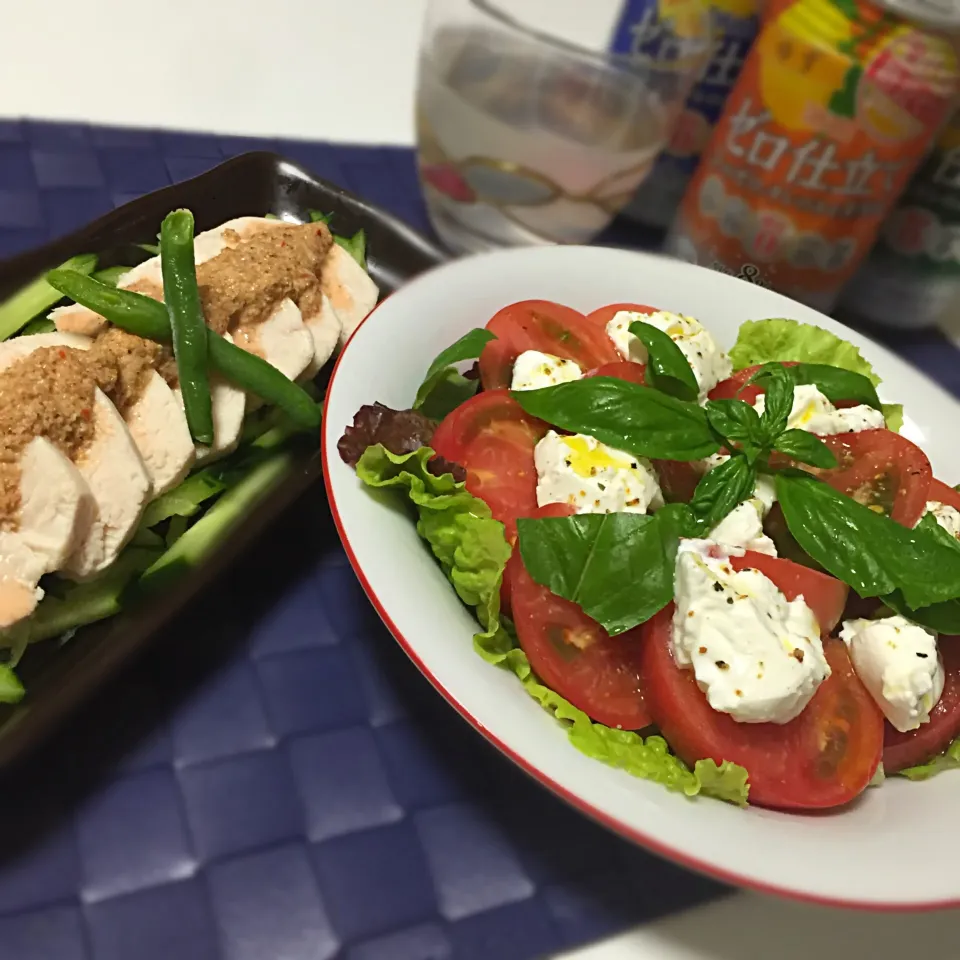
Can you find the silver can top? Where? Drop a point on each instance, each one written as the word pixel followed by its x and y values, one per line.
pixel 940 16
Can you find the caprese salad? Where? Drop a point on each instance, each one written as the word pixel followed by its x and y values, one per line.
pixel 148 412
pixel 724 571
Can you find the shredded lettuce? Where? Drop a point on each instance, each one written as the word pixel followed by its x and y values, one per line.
pixel 779 340
pixel 192 545
pixel 949 760
pixel 473 553
pixel 68 606
pixel 11 689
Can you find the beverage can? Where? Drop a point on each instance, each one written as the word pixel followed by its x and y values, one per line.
pixel 912 277
pixel 836 107
pixel 734 26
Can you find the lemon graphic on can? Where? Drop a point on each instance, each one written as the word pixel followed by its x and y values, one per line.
pixel 801 67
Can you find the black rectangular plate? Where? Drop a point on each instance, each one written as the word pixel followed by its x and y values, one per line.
pixel 60 678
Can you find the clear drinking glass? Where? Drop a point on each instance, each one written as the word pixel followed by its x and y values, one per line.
pixel 527 138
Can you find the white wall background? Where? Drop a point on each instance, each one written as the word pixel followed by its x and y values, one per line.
pixel 340 70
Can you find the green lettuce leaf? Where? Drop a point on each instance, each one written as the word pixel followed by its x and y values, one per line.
pixel 467 541
pixel 949 760
pixel 473 552
pixel 779 340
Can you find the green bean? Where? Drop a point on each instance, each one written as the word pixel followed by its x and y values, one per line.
pixel 263 379
pixel 147 318
pixel 37 297
pixel 182 297
pixel 111 274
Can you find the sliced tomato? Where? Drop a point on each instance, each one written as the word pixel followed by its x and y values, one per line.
pixel 881 469
pixel 902 750
pixel 622 370
pixel 493 439
pixel 736 387
pixel 496 364
pixel 545 326
pixel 826 596
pixel 506 586
pixel 678 480
pixel 942 493
pixel 823 758
pixel 575 656
pixel 600 317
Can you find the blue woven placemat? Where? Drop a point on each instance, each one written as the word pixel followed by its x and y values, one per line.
pixel 274 780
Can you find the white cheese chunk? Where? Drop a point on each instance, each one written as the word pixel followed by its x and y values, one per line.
pixel 756 655
pixel 593 477
pixel 743 528
pixel 813 412
pixel 948 517
pixel 533 370
pixel 897 661
pixel 709 363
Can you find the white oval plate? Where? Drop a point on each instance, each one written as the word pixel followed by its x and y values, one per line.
pixel 897 847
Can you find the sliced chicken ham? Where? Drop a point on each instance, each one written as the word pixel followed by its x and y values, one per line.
pixel 346 295
pixel 108 462
pixel 348 286
pixel 56 511
pixel 120 485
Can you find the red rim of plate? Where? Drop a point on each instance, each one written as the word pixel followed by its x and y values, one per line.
pixel 647 840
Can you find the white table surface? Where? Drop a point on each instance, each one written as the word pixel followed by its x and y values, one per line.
pixel 345 71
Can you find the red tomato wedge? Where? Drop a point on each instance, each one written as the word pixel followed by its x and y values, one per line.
pixel 622 370
pixel 678 480
pixel 941 493
pixel 493 439
pixel 544 326
pixel 879 467
pixel 735 387
pixel 823 758
pixel 902 750
pixel 826 596
pixel 603 315
pixel 573 655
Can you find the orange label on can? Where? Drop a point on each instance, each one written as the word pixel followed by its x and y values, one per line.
pixel 835 109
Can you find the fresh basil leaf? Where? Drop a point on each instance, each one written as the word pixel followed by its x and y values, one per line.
pixel 468 347
pixel 777 400
pixel 450 390
pixel 617 567
pixel 805 447
pixel 837 384
pixel 866 550
pixel 844 537
pixel 626 416
pixel 735 420
pixel 940 617
pixel 667 368
pixel 834 383
pixel 721 489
